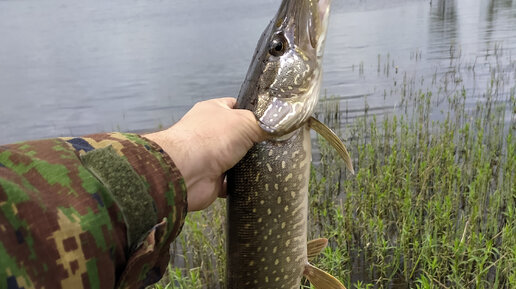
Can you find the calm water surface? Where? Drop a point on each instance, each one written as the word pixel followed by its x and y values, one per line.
pixel 78 67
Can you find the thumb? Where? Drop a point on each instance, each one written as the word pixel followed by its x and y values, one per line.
pixel 252 128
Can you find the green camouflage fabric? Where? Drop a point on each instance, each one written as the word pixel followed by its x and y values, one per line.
pixel 91 212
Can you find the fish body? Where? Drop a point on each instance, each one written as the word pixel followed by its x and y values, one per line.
pixel 267 214
pixel 267 203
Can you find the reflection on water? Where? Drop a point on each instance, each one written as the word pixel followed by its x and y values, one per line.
pixel 134 65
pixel 381 56
pixel 444 20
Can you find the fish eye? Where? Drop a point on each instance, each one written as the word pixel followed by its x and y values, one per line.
pixel 278 46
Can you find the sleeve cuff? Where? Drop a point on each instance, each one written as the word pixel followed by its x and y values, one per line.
pixel 164 184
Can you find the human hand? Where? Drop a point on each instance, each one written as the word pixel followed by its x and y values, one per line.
pixel 209 140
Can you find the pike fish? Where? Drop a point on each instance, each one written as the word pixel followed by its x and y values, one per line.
pixel 267 202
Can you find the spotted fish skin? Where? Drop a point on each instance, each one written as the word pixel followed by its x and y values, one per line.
pixel 267 203
pixel 267 214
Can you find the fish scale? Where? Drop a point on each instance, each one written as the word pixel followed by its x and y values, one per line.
pixel 268 230
pixel 267 203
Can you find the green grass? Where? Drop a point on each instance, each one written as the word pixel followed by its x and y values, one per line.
pixel 432 204
pixel 199 252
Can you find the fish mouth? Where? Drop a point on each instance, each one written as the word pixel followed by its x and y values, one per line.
pixel 283 81
pixel 307 21
pixel 304 23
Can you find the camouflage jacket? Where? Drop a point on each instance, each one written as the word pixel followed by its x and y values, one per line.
pixel 91 212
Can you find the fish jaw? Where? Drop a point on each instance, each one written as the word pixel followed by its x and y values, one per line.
pixel 283 82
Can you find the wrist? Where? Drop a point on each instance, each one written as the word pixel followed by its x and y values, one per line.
pixel 177 145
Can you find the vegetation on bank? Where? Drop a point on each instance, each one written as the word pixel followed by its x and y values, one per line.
pixel 432 204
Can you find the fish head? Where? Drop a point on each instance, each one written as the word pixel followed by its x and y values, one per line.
pixel 283 82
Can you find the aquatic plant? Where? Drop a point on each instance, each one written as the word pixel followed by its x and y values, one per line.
pixel 433 201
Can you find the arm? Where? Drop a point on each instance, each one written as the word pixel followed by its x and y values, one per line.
pixel 101 211
pixel 63 226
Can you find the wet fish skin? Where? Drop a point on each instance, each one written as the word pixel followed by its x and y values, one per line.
pixel 267 214
pixel 267 203
pixel 283 82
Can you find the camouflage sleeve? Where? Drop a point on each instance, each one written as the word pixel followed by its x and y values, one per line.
pixel 91 212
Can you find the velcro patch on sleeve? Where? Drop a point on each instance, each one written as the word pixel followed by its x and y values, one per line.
pixel 127 189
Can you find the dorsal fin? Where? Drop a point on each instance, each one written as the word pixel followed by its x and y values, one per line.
pixel 333 140
pixel 321 279
pixel 315 247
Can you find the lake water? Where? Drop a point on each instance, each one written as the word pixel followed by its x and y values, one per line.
pixel 79 67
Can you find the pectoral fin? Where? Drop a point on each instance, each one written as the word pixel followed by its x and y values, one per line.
pixel 321 279
pixel 333 139
pixel 315 247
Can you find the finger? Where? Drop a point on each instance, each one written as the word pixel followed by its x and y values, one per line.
pixel 228 102
pixel 256 133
